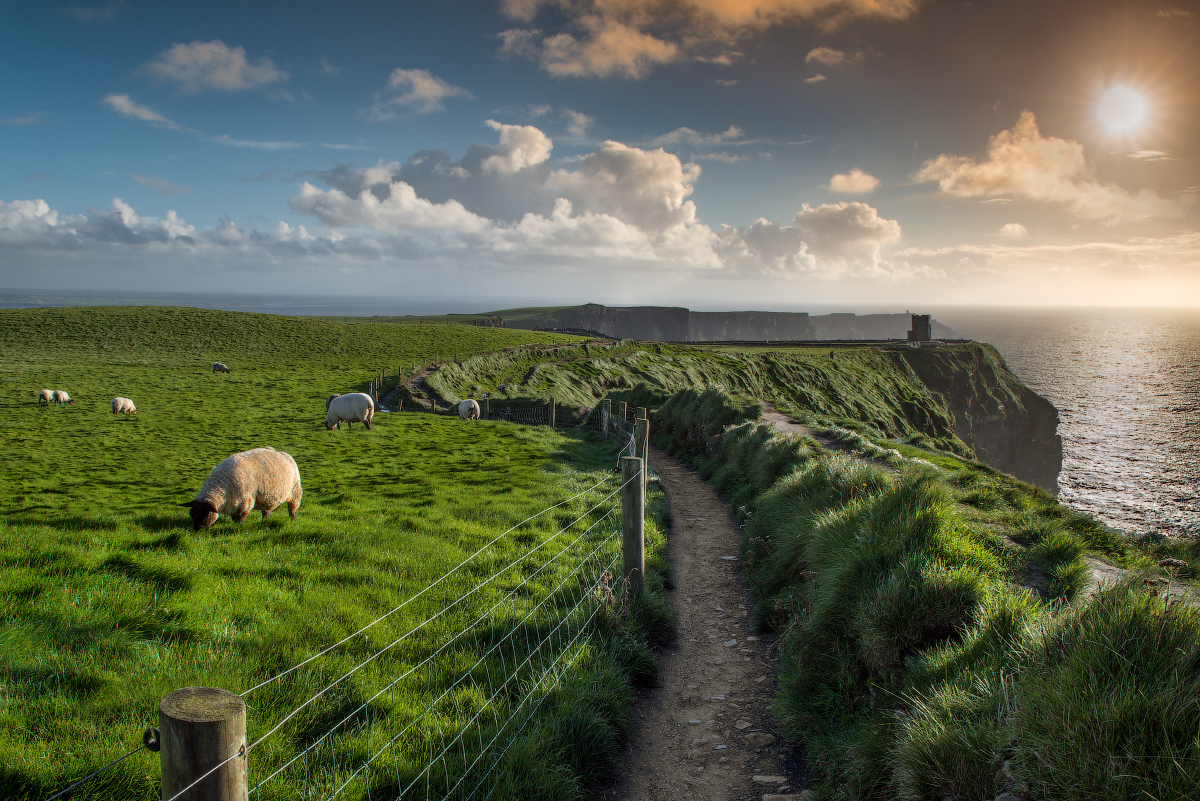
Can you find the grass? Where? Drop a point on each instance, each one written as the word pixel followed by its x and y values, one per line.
pixel 934 640
pixel 108 600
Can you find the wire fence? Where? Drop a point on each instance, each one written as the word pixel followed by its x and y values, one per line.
pixel 440 717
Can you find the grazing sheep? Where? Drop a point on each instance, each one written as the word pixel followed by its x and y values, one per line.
pixel 257 480
pixel 468 410
pixel 60 397
pixel 46 397
pixel 123 405
pixel 219 368
pixel 357 407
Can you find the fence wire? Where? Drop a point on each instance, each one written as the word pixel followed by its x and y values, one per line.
pixel 460 687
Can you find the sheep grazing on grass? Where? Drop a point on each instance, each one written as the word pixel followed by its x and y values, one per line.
pixel 123 406
pixel 61 397
pixel 219 368
pixel 468 410
pixel 46 396
pixel 357 407
pixel 258 480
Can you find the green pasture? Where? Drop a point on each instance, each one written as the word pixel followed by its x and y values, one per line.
pixel 108 600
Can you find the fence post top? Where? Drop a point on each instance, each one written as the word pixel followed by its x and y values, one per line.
pixel 201 704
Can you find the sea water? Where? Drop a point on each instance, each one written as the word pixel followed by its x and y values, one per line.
pixel 1127 386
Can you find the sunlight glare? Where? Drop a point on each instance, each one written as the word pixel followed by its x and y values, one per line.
pixel 1121 109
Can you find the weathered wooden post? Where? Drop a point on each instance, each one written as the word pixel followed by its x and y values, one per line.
pixel 606 410
pixel 633 524
pixel 199 728
pixel 641 439
pixel 552 412
pixel 487 408
pixel 623 411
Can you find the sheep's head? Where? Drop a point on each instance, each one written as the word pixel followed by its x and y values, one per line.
pixel 204 514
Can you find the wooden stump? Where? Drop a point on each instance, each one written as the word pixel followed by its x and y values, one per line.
pixel 200 727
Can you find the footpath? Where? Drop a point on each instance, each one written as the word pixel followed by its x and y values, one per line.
pixel 706 732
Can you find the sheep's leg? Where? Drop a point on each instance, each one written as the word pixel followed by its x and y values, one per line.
pixel 241 515
pixel 266 513
pixel 367 423
pixel 292 507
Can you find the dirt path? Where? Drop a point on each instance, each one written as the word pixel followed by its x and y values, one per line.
pixel 707 733
pixel 786 425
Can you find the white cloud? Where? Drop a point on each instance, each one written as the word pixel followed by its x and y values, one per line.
pixel 400 208
pixel 628 38
pixel 330 69
pixel 1013 230
pixel 831 57
pixel 159 185
pixel 1151 155
pixel 815 79
pixel 855 182
pixel 213 65
pixel 577 123
pixel 1024 164
pixel 691 137
pixel 124 105
pixel 721 156
pixel 226 139
pixel 520 146
pixel 418 90
pixel 727 82
pixel 104 13
pixel 28 119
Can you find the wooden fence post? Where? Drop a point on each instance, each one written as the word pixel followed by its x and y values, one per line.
pixel 606 410
pixel 200 727
pixel 623 411
pixel 552 412
pixel 633 525
pixel 641 439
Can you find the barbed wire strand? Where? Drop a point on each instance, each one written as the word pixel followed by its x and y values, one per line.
pixel 407 601
pixel 440 612
pixel 95 773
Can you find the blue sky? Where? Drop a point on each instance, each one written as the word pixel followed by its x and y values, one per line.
pixel 710 152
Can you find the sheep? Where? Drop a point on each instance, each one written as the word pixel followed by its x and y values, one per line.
pixel 357 407
pixel 219 368
pixel 468 410
pixel 261 479
pixel 61 397
pixel 125 405
pixel 46 397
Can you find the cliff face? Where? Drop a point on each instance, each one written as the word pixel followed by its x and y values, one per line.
pixel 748 325
pixel 1008 425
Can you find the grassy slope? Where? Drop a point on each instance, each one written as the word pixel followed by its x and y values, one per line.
pixel 108 600
pixel 915 663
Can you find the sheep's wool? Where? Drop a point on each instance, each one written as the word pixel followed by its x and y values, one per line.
pixel 257 480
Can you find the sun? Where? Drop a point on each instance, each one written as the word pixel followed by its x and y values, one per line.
pixel 1121 109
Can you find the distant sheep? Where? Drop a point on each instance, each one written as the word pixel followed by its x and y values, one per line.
pixel 123 406
pixel 219 368
pixel 61 397
pixel 258 480
pixel 45 396
pixel 357 407
pixel 468 410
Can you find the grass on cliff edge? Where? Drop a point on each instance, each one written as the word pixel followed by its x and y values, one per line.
pixel 108 600
pixel 915 662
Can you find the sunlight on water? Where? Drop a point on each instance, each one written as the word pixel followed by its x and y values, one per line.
pixel 1127 386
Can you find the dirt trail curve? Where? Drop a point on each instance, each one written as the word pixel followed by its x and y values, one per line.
pixel 706 732
pixel 786 425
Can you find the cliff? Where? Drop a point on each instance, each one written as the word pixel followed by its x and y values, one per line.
pixel 1008 425
pixel 677 324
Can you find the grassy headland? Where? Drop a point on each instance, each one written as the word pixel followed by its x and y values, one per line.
pixel 108 600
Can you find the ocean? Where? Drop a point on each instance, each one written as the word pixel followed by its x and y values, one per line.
pixel 1127 386
pixel 1126 383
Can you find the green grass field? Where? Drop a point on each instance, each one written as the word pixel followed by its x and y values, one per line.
pixel 108 600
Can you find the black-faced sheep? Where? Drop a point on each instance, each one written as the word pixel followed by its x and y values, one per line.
pixel 219 368
pixel 357 407
pixel 257 480
pixel 468 410
pixel 123 406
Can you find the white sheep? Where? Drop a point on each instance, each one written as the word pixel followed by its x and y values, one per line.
pixel 258 480
pixel 123 405
pixel 45 396
pixel 61 397
pixel 220 368
pixel 357 407
pixel 468 410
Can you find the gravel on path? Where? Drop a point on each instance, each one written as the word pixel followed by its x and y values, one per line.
pixel 707 732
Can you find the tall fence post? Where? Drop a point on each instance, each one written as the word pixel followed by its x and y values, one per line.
pixel 552 412
pixel 633 524
pixel 487 408
pixel 623 411
pixel 641 439
pixel 605 411
pixel 199 728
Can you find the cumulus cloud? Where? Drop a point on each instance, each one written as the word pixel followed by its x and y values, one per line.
pixel 418 90
pixel 1013 230
pixel 124 105
pixel 520 146
pixel 104 13
pixel 855 182
pixel 815 79
pixel 628 38
pixel 214 65
pixel 577 123
pixel 159 185
pixel 1024 164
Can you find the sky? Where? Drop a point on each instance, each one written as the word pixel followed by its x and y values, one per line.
pixel 709 153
